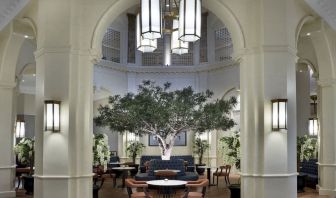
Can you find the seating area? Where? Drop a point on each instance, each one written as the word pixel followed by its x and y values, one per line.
pixel 310 169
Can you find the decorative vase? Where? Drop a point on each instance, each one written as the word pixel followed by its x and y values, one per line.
pixel 200 171
pixel 28 184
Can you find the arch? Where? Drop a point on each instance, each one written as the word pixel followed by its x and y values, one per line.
pixel 302 22
pixel 311 65
pixel 221 10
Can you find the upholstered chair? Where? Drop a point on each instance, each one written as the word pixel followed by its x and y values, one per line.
pixel 131 183
pixel 201 183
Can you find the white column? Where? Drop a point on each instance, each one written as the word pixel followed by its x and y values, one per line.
pixel 64 72
pixel 269 158
pixel 7 163
pixel 327 154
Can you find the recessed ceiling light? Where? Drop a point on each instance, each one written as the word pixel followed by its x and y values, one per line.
pixel 22 80
pixel 308 34
pixel 167 5
pixel 34 75
pixel 26 36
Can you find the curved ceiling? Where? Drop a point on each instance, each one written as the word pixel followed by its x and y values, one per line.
pixel 9 9
pixel 326 9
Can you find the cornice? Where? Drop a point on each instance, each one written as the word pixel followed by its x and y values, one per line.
pixel 167 70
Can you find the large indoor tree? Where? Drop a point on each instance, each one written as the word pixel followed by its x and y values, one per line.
pixel 164 113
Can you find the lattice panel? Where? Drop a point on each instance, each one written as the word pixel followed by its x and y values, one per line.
pixel 111 45
pixel 223 45
pixel 155 58
pixel 184 59
pixel 131 38
pixel 204 39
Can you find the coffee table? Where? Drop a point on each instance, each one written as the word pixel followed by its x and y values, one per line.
pixel 166 186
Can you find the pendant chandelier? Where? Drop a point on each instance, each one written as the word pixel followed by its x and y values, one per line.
pixel 182 20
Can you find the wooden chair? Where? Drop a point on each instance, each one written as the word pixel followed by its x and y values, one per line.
pixel 131 183
pixel 100 173
pixel 165 174
pixel 201 183
pixel 224 172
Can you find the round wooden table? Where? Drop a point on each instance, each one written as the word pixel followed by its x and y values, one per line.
pixel 124 171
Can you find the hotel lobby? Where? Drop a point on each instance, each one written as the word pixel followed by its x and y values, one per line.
pixel 167 98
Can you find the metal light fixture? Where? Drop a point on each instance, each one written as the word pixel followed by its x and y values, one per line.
pixel 313 126
pixel 20 129
pixel 190 20
pixel 313 121
pixel 52 115
pixel 279 114
pixel 151 19
pixel 178 46
pixel 143 44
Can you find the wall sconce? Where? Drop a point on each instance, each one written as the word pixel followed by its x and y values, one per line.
pixel 279 114
pixel 313 126
pixel 131 137
pixel 52 115
pixel 20 129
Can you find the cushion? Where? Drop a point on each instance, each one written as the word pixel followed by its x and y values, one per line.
pixel 144 177
pixel 189 176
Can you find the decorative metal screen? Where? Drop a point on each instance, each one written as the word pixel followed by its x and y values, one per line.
pixel 184 59
pixel 131 38
pixel 204 39
pixel 155 58
pixel 111 45
pixel 223 45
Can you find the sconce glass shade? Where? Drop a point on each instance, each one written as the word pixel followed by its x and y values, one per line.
pixel 178 46
pixel 131 137
pixel 150 19
pixel 190 20
pixel 20 129
pixel 143 44
pixel 313 126
pixel 279 114
pixel 52 115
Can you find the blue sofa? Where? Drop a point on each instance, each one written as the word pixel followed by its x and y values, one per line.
pixel 188 158
pixel 310 168
pixel 158 164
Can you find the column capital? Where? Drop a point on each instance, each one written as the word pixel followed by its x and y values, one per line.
pixel 327 82
pixel 7 85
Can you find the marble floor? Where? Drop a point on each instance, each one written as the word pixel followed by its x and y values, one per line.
pixel 108 191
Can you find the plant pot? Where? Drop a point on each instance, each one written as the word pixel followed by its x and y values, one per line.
pixel 200 171
pixel 235 190
pixel 28 184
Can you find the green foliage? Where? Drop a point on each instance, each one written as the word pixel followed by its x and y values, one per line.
pixel 101 150
pixel 230 147
pixel 200 147
pixel 134 148
pixel 25 151
pixel 306 147
pixel 157 110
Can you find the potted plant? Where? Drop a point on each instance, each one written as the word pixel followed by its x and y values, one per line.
pixel 101 152
pixel 25 152
pixel 200 147
pixel 230 147
pixel 134 149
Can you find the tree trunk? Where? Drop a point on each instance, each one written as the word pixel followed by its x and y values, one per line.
pixel 166 153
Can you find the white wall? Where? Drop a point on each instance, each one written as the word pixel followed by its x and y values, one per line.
pixel 303 102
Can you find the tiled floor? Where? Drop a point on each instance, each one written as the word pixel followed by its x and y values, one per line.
pixel 221 191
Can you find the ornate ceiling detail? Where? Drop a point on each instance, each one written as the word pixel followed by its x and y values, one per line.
pixel 9 9
pixel 326 9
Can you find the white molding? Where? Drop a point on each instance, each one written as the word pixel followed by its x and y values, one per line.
pixel 325 191
pixel 7 194
pixel 326 82
pixel 62 176
pixel 326 165
pixel 7 167
pixel 164 69
pixel 7 85
pixel 269 175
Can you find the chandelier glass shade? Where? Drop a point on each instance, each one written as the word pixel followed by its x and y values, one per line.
pixel 178 46
pixel 143 44
pixel 190 20
pixel 151 19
